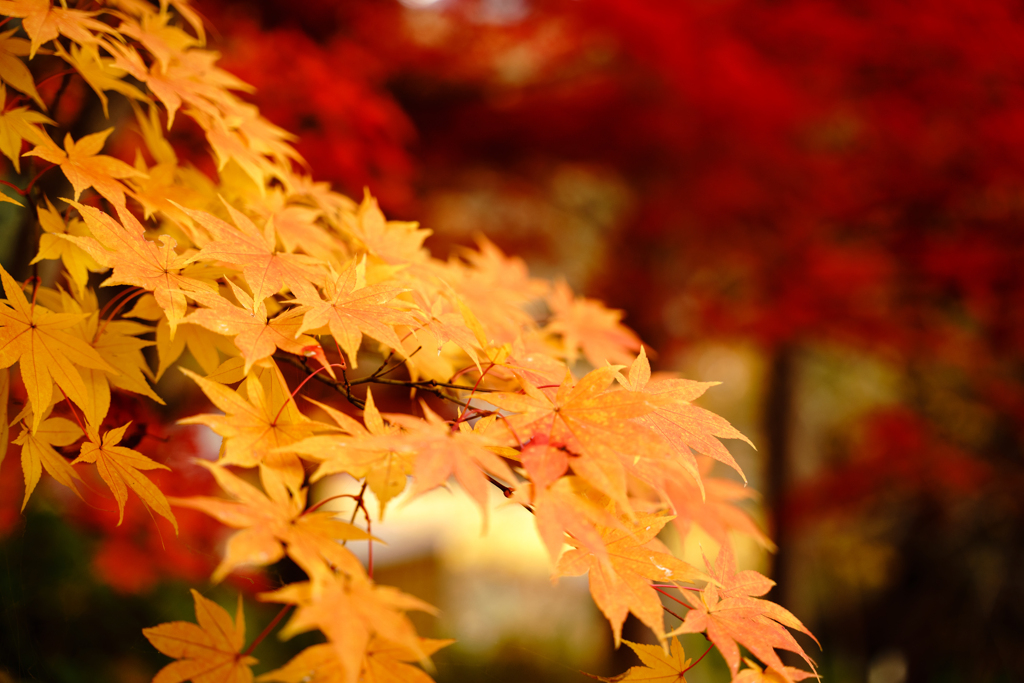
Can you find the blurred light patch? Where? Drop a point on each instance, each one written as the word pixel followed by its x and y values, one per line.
pixel 448 524
pixel 495 587
pixel 421 4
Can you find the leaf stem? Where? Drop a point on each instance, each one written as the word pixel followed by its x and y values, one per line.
pixel 266 632
pixel 291 397
pixel 698 659
pixel 670 596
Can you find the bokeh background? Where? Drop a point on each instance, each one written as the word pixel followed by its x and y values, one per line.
pixel 818 203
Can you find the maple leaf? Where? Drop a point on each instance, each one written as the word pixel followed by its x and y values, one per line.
pixel 85 167
pixel 587 419
pixel 13 71
pixel 562 508
pixel 621 582
pixel 353 308
pixel 274 524
pixel 37 452
pixel 713 507
pixel 17 124
pixel 36 337
pixel 256 336
pixel 99 72
pixel 496 288
pixel 393 242
pixel 657 664
pixel 384 470
pixel 682 425
pixel 140 262
pixel 351 610
pixel 385 662
pixel 588 325
pixel 207 652
pixel 43 22
pixel 446 325
pixel 442 450
pixel 119 468
pixel 254 429
pixel 265 269
pixel 731 614
pixel 117 343
pixel 77 262
pixel 755 674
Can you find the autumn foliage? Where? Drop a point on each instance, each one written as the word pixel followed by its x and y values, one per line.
pixel 255 283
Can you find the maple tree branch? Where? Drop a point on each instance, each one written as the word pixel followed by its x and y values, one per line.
pixel 426 384
pixel 507 491
pixel 341 387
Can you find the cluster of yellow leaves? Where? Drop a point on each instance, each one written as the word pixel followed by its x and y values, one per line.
pixel 261 266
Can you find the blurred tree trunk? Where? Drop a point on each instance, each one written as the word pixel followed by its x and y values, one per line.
pixel 778 419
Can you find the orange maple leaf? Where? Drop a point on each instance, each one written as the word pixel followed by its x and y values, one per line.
pixel 256 336
pixel 589 326
pixel 36 337
pixel 119 468
pixel 43 22
pixel 393 242
pixel 658 665
pixel 140 262
pixel 352 308
pixel 621 583
pixel 85 167
pixel 714 507
pixel 442 450
pixel 265 269
pixel 594 424
pixel 731 613
pixel 274 524
pixel 564 508
pixel 682 425
pixel 207 652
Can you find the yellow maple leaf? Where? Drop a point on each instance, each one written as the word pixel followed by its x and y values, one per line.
pixel 351 610
pixel 119 468
pixel 37 453
pixel 207 652
pixel 14 71
pixel 385 662
pixel 384 469
pixel 101 73
pixel 274 524
pixel 658 665
pixel 255 429
pixel 17 124
pixel 36 337
pixel 77 262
